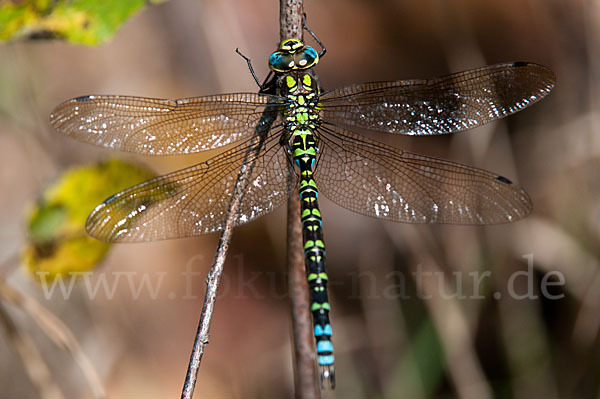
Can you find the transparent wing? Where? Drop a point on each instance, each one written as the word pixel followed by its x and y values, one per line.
pixel 438 106
pixel 195 200
pixel 155 126
pixel 380 181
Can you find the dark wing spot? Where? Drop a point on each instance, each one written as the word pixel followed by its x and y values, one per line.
pixel 82 98
pixel 503 179
pixel 520 64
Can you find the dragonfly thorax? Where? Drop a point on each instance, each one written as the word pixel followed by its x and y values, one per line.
pixel 301 90
pixel 295 83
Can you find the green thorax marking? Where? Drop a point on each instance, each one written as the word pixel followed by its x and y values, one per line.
pixel 301 88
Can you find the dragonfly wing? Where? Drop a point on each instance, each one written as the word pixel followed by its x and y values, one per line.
pixel 380 181
pixel 449 104
pixel 156 126
pixel 195 200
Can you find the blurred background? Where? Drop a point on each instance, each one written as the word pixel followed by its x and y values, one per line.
pixel 509 311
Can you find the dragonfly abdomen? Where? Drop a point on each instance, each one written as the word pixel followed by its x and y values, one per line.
pixel 304 154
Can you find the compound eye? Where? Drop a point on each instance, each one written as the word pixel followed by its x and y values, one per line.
pixel 306 58
pixel 281 61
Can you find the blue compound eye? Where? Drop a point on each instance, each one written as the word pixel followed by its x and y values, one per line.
pixel 306 58
pixel 281 61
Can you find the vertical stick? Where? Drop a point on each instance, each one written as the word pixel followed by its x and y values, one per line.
pixel 216 270
pixel 291 17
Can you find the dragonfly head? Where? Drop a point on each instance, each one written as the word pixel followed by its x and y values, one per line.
pixel 293 54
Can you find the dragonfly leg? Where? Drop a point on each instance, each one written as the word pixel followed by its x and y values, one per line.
pixel 306 28
pixel 266 84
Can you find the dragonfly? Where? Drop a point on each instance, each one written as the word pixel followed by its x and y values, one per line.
pixel 313 140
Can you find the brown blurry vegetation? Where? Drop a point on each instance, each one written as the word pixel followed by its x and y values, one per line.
pixel 387 345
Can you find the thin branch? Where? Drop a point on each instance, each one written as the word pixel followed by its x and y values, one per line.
pixel 216 270
pixel 305 378
pixel 291 19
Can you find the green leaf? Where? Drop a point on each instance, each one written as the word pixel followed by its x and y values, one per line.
pixel 58 243
pixel 80 21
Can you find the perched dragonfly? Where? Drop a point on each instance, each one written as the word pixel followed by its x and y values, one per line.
pixel 307 139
